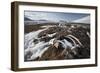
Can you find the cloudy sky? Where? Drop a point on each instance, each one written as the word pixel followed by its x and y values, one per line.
pixel 54 16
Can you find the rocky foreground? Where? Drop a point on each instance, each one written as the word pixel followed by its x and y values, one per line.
pixel 57 43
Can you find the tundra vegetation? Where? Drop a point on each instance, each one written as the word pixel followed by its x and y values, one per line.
pixel 56 41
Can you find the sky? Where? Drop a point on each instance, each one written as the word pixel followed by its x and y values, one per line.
pixel 54 16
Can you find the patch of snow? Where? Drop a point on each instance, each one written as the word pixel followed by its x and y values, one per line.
pixel 51 35
pixel 83 20
pixel 38 50
pixel 48 26
pixel 30 37
pixel 88 34
pixel 67 43
pixel 74 47
pixel 51 41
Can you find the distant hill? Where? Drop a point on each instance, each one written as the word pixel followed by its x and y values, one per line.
pixel 33 22
pixel 27 19
pixel 83 20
